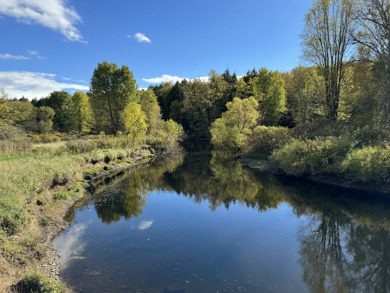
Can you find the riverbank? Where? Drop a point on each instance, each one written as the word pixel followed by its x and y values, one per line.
pixel 326 179
pixel 37 190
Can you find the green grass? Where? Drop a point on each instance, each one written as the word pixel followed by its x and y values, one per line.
pixel 65 194
pixel 24 176
pixel 37 282
pixel 92 172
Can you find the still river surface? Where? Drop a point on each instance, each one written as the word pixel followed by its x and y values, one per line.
pixel 201 225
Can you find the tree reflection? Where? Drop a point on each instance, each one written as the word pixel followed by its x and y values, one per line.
pixel 127 196
pixel 369 271
pixel 322 257
pixel 340 252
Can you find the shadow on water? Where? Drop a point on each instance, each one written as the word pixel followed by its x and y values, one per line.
pixel 343 241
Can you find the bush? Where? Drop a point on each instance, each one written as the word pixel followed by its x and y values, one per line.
pixel 368 164
pixel 312 157
pixel 264 140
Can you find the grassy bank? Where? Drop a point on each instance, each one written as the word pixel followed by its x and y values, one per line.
pixel 37 185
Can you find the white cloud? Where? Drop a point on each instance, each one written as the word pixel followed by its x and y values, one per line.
pixel 66 78
pixel 141 38
pixel 172 79
pixel 14 57
pixel 33 84
pixel 32 52
pixel 53 14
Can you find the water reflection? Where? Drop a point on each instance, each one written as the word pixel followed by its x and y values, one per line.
pixel 343 237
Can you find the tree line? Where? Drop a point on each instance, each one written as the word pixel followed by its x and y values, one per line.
pixel 113 106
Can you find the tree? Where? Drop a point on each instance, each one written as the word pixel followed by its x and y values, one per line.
pixel 195 110
pixel 44 116
pixel 304 93
pixel 269 92
pixel 173 132
pixel 229 131
pixel 135 121
pixel 327 41
pixel 374 22
pixel 84 119
pixel 62 104
pixel 112 89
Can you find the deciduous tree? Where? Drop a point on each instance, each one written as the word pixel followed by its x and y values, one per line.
pixel 327 42
pixel 229 131
pixel 374 23
pixel 112 89
pixel 84 119
pixel 269 92
pixel 135 121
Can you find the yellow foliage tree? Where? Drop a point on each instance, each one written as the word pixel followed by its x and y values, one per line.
pixel 135 122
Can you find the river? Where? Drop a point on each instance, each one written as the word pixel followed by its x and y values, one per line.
pixel 202 224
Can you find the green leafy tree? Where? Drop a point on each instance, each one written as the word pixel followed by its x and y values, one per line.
pixel 135 122
pixel 63 106
pixel 327 42
pixel 195 110
pixel 305 94
pixel 374 34
pixel 229 131
pixel 112 89
pixel 269 92
pixel 220 91
pixel 44 116
pixel 149 105
pixel 173 132
pixel 84 119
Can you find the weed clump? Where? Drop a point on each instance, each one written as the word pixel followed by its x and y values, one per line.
pixel 39 283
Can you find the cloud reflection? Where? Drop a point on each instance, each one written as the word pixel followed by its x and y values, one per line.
pixel 70 245
pixel 145 225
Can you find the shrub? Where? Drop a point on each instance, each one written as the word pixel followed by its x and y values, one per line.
pixel 264 140
pixel 368 164
pixel 312 157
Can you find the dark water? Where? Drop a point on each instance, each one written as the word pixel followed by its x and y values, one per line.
pixel 198 226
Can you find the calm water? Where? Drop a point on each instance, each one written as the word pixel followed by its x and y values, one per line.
pixel 196 225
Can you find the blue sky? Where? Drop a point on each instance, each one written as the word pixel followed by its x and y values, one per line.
pixel 56 44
